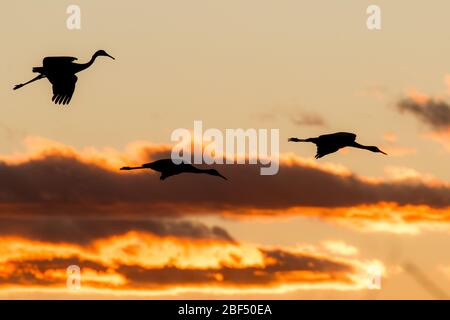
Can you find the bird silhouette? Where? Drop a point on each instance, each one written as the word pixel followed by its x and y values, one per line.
pixel 329 143
pixel 60 71
pixel 168 168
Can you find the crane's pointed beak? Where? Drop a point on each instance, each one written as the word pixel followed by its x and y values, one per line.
pixel 111 57
pixel 383 152
pixel 125 168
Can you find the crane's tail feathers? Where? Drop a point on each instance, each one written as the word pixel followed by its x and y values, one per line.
pixel 38 69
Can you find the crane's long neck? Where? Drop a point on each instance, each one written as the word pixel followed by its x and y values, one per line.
pixel 361 146
pixel 83 66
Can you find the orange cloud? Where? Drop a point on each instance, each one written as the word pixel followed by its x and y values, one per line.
pixel 137 263
pixel 390 137
pixel 447 82
pixel 442 137
pixel 396 151
pixel 38 148
pixel 418 97
pixel 393 149
pixel 339 247
pixel 381 217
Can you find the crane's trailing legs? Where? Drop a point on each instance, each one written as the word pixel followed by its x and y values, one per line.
pixel 300 140
pixel 18 86
pixel 131 168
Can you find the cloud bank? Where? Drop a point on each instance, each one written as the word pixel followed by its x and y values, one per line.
pixel 144 264
pixel 61 184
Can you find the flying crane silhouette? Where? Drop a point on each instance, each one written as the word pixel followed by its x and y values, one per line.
pixel 168 168
pixel 60 71
pixel 329 143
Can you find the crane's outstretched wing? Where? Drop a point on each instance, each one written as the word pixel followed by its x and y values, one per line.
pixel 339 137
pixel 63 88
pixel 324 149
pixel 49 62
pixel 329 143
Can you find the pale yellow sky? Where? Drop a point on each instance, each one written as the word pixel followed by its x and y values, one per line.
pixel 224 63
pixel 229 63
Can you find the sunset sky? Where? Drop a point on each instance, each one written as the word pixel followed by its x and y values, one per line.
pixel 304 67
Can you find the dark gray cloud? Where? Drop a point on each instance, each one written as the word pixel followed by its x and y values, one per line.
pixel 434 113
pixel 308 119
pixel 295 115
pixel 281 262
pixel 62 186
pixel 83 231
pixel 25 271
